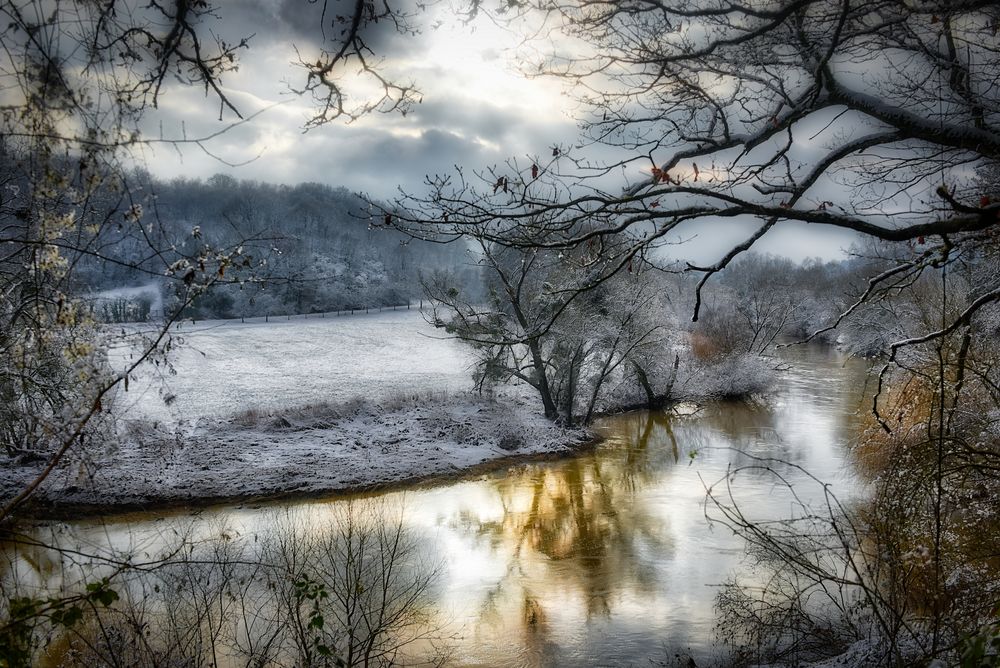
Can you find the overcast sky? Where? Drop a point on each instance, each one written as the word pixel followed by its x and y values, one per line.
pixel 477 111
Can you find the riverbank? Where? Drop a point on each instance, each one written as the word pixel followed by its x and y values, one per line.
pixel 418 420
pixel 621 526
pixel 319 450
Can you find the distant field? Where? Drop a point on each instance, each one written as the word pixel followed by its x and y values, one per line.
pixel 224 366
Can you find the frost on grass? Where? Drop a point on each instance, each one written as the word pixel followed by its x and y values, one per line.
pixel 415 419
pixel 222 367
pixel 352 445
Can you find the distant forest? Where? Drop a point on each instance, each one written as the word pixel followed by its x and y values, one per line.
pixel 319 252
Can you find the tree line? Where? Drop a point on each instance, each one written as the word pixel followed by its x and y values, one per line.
pixel 314 247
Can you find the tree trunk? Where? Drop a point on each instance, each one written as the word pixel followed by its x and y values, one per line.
pixel 673 378
pixel 598 383
pixel 543 380
pixel 653 400
pixel 570 392
pixel 646 387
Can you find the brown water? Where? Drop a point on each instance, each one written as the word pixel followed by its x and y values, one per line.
pixel 606 558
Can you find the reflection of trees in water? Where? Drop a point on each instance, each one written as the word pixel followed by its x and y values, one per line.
pixel 746 425
pixel 581 529
pixel 650 442
pixel 582 523
pixel 29 562
pixel 648 438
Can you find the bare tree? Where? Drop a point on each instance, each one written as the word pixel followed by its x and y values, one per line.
pixel 77 79
pixel 352 589
pixel 859 116
pixel 553 321
pixel 869 117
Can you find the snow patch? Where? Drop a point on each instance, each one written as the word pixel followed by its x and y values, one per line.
pixel 222 367
pixel 341 447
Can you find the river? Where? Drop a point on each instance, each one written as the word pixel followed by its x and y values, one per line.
pixel 605 558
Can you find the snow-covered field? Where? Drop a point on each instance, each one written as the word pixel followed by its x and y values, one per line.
pixel 333 448
pixel 224 367
pixel 301 406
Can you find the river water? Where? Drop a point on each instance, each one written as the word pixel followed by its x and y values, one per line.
pixel 606 558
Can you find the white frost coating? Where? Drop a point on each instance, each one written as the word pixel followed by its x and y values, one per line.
pixel 224 367
pixel 153 292
pixel 310 451
pixel 388 403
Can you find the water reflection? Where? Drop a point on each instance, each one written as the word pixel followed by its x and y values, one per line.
pixel 570 535
pixel 603 559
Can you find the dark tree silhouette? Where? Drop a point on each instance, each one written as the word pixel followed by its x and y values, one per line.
pixel 864 116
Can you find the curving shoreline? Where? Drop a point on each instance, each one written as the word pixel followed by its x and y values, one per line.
pixel 309 453
pixel 46 509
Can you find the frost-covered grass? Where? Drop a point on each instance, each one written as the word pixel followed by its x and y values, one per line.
pixel 314 405
pixel 224 367
pixel 301 406
pixel 348 446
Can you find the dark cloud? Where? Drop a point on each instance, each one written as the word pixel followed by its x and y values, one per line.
pixel 304 20
pixel 379 163
pixel 243 18
pixel 371 159
pixel 508 128
pixel 311 24
pixel 489 122
pixel 375 155
pixel 453 126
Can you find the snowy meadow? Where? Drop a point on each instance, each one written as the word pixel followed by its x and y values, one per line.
pixel 224 367
pixel 292 407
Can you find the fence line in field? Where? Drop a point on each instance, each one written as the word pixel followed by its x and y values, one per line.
pixel 353 311
pixel 323 314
